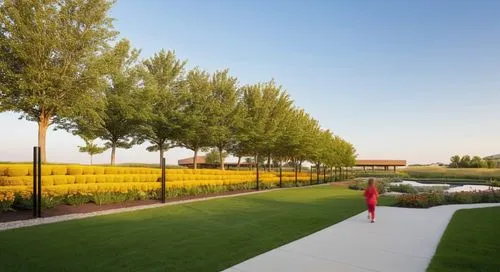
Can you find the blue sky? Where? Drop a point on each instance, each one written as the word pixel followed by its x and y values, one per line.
pixel 414 80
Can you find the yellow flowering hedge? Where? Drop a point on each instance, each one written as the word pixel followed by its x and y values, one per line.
pixel 76 184
pixel 6 200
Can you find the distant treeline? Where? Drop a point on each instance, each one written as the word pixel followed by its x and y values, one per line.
pixel 474 162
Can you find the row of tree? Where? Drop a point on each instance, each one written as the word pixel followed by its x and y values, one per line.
pixel 60 67
pixel 474 162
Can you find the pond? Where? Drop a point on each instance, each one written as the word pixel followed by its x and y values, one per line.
pixel 450 188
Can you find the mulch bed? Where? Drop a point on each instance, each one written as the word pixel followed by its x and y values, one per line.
pixel 91 207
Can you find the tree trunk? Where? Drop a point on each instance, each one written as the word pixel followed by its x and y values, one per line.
pixel 162 153
pixel 90 159
pixel 281 174
pixel 113 154
pixel 324 173
pixel 195 164
pixel 269 162
pixel 43 124
pixel 257 168
pixel 221 159
pixel 239 162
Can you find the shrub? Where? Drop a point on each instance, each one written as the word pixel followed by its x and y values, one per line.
pixel 70 179
pixel 75 171
pixel 59 170
pixel 47 180
pixel 77 198
pixel 361 185
pixel 6 201
pixel 80 179
pixel 402 188
pixel 435 199
pixel 59 180
pixel 98 170
pixel 88 171
pixel 50 200
pixel 101 198
pixel 462 198
pixel 17 171
pixel 90 179
pixel 425 200
pixel 46 170
pixel 110 171
pixel 11 181
pixel 3 170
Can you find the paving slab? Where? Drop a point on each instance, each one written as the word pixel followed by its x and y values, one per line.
pixel 402 239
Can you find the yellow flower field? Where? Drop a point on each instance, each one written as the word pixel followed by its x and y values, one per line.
pixel 75 184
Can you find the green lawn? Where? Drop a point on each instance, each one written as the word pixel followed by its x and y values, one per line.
pixel 470 243
pixel 204 236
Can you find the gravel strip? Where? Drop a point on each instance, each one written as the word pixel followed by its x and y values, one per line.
pixel 67 217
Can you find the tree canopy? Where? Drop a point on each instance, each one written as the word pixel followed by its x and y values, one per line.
pixel 60 65
pixel 51 62
pixel 163 80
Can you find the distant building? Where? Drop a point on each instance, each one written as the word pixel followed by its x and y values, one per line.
pixel 384 164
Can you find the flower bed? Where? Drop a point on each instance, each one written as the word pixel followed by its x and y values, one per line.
pixel 426 200
pixel 362 184
pixel 76 185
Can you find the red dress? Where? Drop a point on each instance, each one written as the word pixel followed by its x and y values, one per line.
pixel 371 195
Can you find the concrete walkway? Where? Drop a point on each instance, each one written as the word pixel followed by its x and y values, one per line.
pixel 401 240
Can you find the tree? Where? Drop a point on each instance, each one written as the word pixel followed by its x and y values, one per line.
pixel 164 82
pixel 224 112
pixel 195 112
pixel 491 163
pixel 477 162
pixel 125 103
pixel 51 60
pixel 309 128
pixel 455 161
pixel 214 157
pixel 264 107
pixel 465 161
pixel 288 143
pixel 91 148
pixel 348 154
pixel 321 151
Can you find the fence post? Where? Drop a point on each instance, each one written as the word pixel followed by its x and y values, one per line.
pixel 35 182
pixel 39 187
pixel 318 170
pixel 163 180
pixel 281 174
pixel 296 175
pixel 257 168
pixel 311 176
